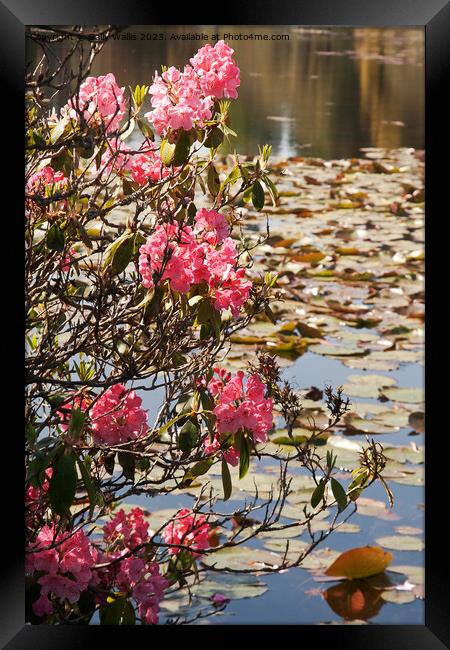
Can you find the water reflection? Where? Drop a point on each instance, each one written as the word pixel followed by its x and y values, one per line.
pixel 325 92
pixel 358 599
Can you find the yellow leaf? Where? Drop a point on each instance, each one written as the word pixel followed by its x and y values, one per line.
pixel 308 258
pixel 360 562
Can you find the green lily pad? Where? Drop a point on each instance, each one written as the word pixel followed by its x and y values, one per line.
pixel 405 454
pixel 407 395
pixel 401 543
pixel 366 385
pixel 415 574
pixel 408 530
pixel 356 424
pixel 241 557
pixel 397 597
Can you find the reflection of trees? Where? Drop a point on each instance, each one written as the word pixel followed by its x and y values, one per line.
pixel 392 92
pixel 340 101
pixel 357 599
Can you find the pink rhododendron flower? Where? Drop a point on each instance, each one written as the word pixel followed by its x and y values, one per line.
pixel 187 256
pixel 147 166
pixel 212 226
pixel 117 416
pixel 217 71
pixel 35 493
pixel 135 575
pixel 129 530
pixel 116 157
pixel 68 259
pixel 66 569
pixel 46 177
pixel 101 101
pixel 233 292
pixel 177 101
pixel 238 407
pixel 45 183
pixel 187 529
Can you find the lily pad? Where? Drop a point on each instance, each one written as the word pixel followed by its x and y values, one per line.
pixel 397 597
pixel 242 557
pixel 407 395
pixel 401 543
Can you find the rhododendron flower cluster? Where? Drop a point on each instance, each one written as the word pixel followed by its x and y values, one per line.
pixel 177 101
pixel 238 408
pixel 187 529
pixel 34 498
pixel 117 416
pixel 126 530
pixel 69 567
pixel 181 100
pixel 44 183
pixel 187 256
pixel 46 178
pixel 144 165
pixel 135 575
pixel 101 101
pixel 68 259
pixel 217 71
pixel 65 570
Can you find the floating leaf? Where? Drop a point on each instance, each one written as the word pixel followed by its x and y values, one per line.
pixel 397 597
pixel 360 562
pixel 407 395
pixel 401 543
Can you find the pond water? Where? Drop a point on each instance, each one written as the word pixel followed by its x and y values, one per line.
pixel 324 92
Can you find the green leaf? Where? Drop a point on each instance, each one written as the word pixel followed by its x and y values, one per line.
pixel 58 130
pixel 167 152
pixel 55 238
pixel 127 463
pixel 226 480
pixel 257 196
pixel 119 612
pixel 191 212
pixel 232 177
pixel 88 483
pixel 360 478
pixel 339 494
pixel 119 254
pixel 199 468
pixel 213 181
pixel 271 189
pixel 145 129
pixel 205 311
pixel 76 423
pixel 63 484
pixel 244 458
pixel 317 495
pixel 188 437
pixel 182 148
pixel 214 139
pixel 129 130
pixel 84 236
